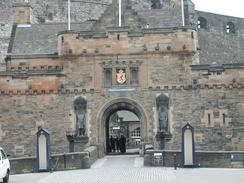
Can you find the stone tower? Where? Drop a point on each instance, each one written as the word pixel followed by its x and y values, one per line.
pixel 22 13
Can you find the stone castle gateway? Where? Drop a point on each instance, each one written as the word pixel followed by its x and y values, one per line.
pixel 70 82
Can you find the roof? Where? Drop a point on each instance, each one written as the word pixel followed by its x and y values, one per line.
pixel 215 46
pixel 161 18
pixel 41 38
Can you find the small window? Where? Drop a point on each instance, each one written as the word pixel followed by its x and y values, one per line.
pixel 136 132
pixel 202 23
pixel 224 122
pixel 194 82
pixel 107 77
pixel 134 76
pixel 50 16
pixel 230 28
pixel 209 119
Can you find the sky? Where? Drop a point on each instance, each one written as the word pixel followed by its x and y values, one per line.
pixel 225 7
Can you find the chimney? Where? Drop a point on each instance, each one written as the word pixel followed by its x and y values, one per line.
pixel 22 13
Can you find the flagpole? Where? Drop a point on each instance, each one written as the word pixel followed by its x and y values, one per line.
pixel 183 13
pixel 69 15
pixel 119 13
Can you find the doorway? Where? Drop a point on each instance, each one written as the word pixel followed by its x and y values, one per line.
pixel 125 117
pixel 123 133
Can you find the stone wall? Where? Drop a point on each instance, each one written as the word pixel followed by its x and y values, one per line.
pixel 21 115
pixel 120 41
pixel 5 32
pixel 53 11
pixel 33 98
pixel 68 161
pixel 215 45
pixel 204 159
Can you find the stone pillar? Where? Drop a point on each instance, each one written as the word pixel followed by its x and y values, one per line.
pixel 22 13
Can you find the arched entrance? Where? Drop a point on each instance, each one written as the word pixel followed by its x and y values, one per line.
pixel 111 108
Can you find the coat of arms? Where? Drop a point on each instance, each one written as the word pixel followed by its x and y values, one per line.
pixel 121 77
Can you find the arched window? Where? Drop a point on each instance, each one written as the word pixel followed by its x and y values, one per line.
pixel 230 28
pixel 201 23
pixel 80 106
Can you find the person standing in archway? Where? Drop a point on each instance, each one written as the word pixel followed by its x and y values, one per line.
pixel 112 144
pixel 117 143
pixel 123 143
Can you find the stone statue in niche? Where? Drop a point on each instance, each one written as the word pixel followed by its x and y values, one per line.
pixel 80 111
pixel 81 120
pixel 163 120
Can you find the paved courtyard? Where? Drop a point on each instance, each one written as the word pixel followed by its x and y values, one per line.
pixel 129 169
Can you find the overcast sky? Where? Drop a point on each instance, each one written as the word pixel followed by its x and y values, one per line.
pixel 225 7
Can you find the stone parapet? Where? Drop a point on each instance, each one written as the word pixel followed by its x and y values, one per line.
pixel 67 161
pixel 212 159
pixel 120 41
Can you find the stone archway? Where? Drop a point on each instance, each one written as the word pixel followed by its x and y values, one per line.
pixel 113 106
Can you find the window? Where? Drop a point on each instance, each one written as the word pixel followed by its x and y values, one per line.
pixel 230 28
pixel 50 16
pixel 136 132
pixel 202 23
pixel 107 77
pixel 224 122
pixel 134 76
pixel 209 119
pixel 3 155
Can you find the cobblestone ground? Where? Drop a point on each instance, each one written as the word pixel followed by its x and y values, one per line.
pixel 129 169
